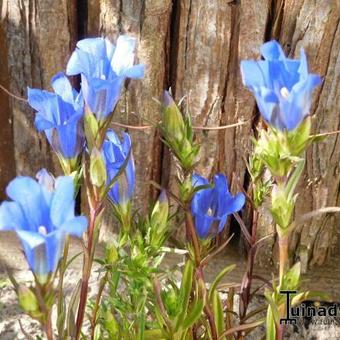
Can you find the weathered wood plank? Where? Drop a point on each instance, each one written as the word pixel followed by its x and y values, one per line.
pixel 38 42
pixel 315 27
pixel 149 22
pixel 195 47
pixel 7 164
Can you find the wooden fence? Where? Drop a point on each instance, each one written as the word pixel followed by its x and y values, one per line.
pixel 194 46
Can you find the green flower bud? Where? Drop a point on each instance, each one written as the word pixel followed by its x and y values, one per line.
pixel 158 220
pixel 170 299
pixel 111 253
pixel 172 119
pixel 178 134
pixel 273 150
pixel 282 209
pixel 256 166
pixel 90 128
pixel 159 215
pixel 186 189
pixel 28 301
pixel 97 169
pixel 111 325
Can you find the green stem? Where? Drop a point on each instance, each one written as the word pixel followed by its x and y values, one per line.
pixel 199 270
pixel 48 327
pixel 88 260
pixel 193 236
pixel 60 286
pixel 283 256
pixel 96 307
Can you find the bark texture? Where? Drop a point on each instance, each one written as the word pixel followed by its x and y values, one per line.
pixel 39 36
pixel 194 47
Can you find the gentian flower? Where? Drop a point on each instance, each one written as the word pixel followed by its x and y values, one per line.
pixel 42 214
pixel 212 206
pixel 60 115
pixel 104 68
pixel 282 86
pixel 115 152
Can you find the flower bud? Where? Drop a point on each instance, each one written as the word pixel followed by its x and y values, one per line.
pixel 178 133
pixel 282 209
pixel 28 301
pixel 272 149
pixel 172 119
pixel 97 169
pixel 159 215
pixel 90 127
pixel 111 325
pixel 158 221
pixel 111 253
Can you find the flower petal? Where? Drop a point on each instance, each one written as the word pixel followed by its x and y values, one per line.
pixel 123 55
pixel 27 192
pixel 101 95
pixel 38 99
pixel 203 224
pixel 54 247
pixel 272 50
pixel 34 248
pixel 75 226
pixel 62 86
pixel 254 73
pixel 236 203
pixel 63 203
pixel 12 217
pixel 135 72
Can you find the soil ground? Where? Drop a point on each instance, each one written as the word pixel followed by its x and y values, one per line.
pixel 10 313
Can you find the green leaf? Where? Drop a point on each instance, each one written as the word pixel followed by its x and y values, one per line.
pixel 270 325
pixel 72 259
pixel 97 332
pixel 185 290
pixel 61 317
pixel 311 296
pixel 194 314
pixel 218 278
pixel 272 306
pixel 152 334
pixel 218 312
pixel 243 327
pixel 294 179
pixel 72 311
pixel 291 279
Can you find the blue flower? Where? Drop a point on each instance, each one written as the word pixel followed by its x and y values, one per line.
pixel 42 214
pixel 104 68
pixel 282 86
pixel 115 152
pixel 60 115
pixel 212 206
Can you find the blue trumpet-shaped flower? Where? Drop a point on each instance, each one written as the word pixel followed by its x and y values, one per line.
pixel 115 153
pixel 282 86
pixel 42 214
pixel 104 68
pixel 60 115
pixel 212 206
